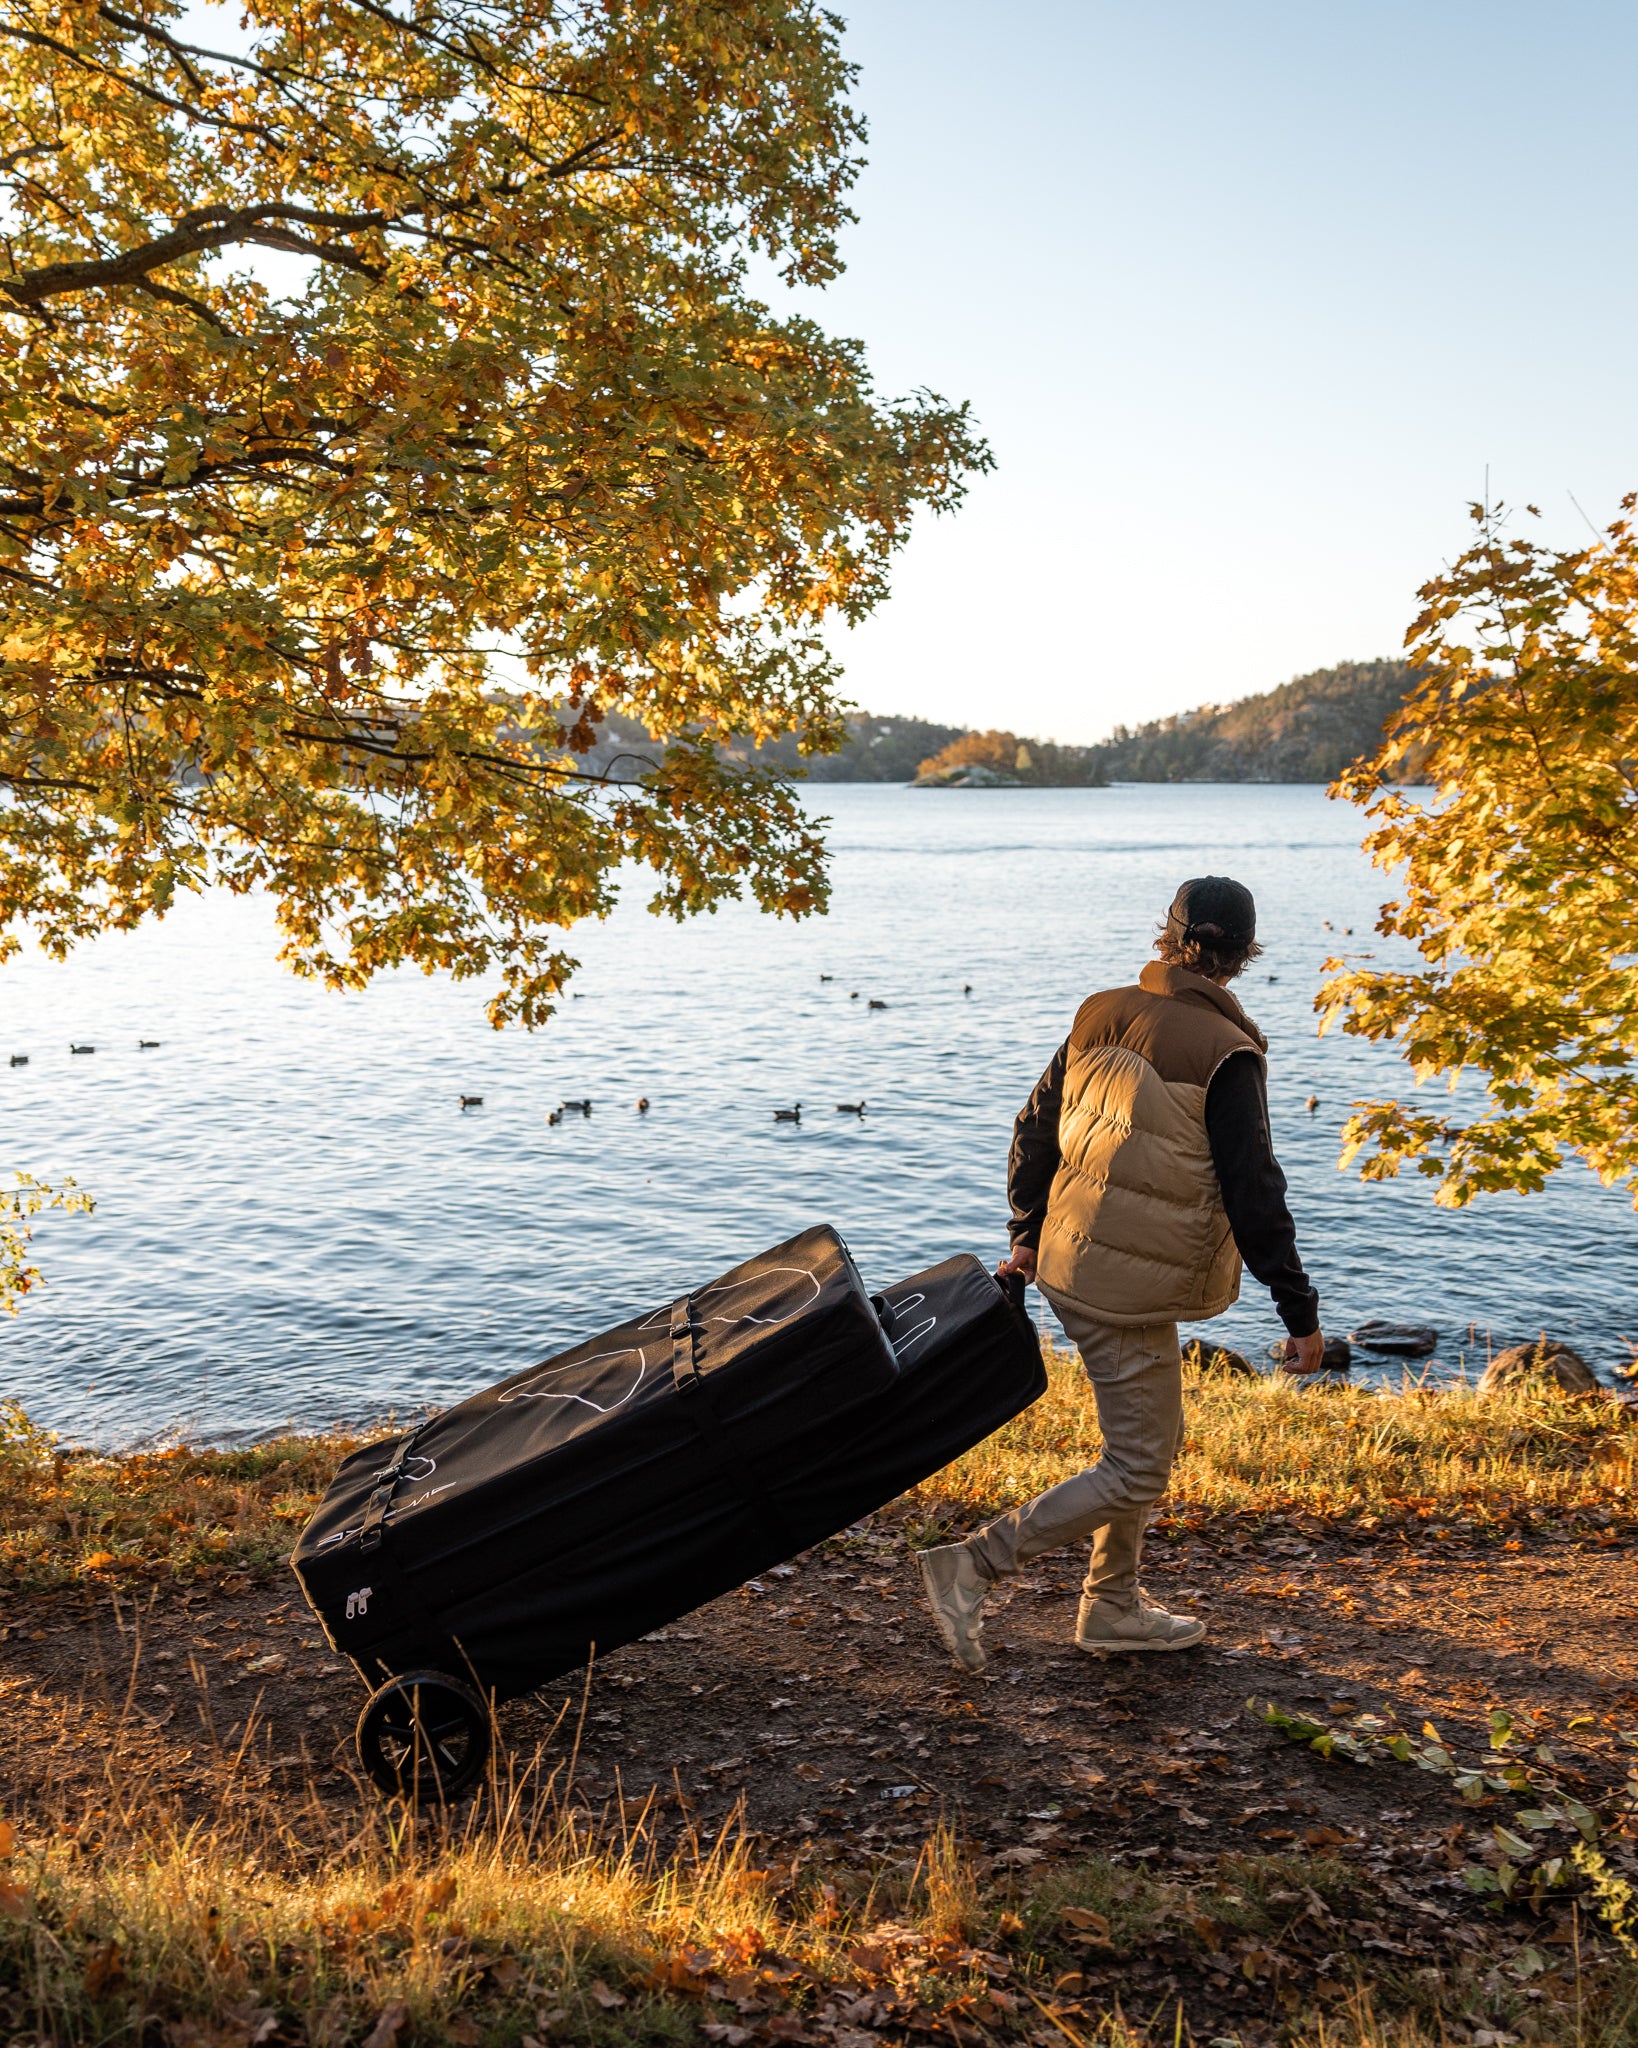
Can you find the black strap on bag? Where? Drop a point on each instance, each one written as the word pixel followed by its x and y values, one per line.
pixel 699 1405
pixel 685 1365
pixel 375 1508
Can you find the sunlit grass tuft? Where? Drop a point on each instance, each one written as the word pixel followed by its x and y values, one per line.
pixel 179 1513
pixel 1275 1446
pixel 329 1925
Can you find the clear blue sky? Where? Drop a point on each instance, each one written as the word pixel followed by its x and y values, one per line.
pixel 1246 298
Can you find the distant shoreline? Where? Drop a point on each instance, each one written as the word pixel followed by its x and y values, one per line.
pixel 1306 732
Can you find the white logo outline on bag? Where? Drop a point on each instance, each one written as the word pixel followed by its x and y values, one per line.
pixel 900 1345
pixel 536 1388
pixel 662 1316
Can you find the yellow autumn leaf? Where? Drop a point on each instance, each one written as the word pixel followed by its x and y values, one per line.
pixel 1513 838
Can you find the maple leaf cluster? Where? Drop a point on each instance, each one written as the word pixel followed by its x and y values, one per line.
pixel 1518 869
pixel 383 403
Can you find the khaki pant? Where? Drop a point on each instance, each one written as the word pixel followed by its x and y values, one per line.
pixel 1136 1373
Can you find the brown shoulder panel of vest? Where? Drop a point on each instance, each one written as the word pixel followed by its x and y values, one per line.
pixel 1182 1041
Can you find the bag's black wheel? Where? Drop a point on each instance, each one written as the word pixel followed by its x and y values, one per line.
pixel 424 1736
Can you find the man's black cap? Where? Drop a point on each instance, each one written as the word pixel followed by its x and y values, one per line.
pixel 1214 909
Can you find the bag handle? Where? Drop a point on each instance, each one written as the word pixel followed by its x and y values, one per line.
pixel 1012 1290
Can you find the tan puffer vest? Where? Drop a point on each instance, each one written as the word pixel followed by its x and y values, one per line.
pixel 1135 1230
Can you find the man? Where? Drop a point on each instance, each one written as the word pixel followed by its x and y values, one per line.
pixel 1141 1174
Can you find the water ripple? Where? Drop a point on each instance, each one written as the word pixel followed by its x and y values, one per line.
pixel 297 1222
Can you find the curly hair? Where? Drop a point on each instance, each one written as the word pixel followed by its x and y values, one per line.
pixel 1200 956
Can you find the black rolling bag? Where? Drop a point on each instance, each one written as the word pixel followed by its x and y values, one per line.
pixel 588 1500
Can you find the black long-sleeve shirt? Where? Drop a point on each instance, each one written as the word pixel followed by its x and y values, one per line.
pixel 1248 1174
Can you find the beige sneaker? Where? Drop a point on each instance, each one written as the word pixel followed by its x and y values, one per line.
pixel 1099 1628
pixel 956 1591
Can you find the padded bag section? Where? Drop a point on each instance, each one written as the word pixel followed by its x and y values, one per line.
pixel 968 1361
pixel 604 1491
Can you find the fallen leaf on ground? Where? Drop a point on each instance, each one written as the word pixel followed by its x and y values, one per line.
pixel 259 2023
pixel 105 1969
pixel 388 2026
pixel 609 2000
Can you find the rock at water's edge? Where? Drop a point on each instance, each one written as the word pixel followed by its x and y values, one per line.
pixel 1336 1357
pixel 1398 1340
pixel 1202 1357
pixel 1545 1359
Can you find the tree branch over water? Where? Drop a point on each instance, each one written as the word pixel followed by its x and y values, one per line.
pixel 516 453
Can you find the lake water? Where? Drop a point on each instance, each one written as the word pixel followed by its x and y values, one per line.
pixel 297 1222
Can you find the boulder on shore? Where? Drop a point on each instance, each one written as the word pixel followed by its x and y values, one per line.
pixel 1202 1357
pixel 1546 1359
pixel 1397 1340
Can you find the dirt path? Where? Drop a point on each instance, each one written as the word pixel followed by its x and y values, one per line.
pixel 819 1696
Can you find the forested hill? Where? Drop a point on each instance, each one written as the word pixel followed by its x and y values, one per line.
pixel 877 750
pixel 1307 730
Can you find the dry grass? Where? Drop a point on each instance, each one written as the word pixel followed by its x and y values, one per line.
pixel 1273 1446
pixel 180 1514
pixel 526 1922
pixel 1256 1448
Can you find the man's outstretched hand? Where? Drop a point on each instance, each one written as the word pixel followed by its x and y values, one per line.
pixel 1304 1354
pixel 1021 1264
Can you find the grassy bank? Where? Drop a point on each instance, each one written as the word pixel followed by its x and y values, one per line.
pixel 1256 1449
pixel 177 1514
